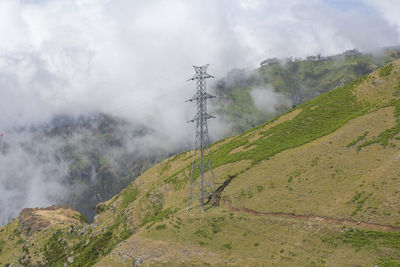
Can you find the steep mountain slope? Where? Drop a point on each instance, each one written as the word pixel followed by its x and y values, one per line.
pixel 104 153
pixel 91 157
pixel 316 186
pixel 293 81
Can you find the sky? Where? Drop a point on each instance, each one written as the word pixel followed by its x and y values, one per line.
pixel 132 58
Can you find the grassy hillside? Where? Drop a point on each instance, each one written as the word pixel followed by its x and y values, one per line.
pixel 295 80
pixel 95 156
pixel 316 186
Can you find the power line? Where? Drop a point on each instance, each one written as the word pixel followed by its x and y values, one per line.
pixel 202 183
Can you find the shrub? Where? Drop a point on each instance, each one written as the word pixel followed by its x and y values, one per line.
pixel 386 70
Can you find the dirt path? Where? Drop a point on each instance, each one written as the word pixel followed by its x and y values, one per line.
pixel 363 224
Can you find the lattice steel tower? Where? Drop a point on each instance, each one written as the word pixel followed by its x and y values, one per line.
pixel 202 184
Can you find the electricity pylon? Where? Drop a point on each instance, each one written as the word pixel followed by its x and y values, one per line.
pixel 202 184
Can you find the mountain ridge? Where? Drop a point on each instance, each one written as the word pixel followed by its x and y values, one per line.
pixel 91 157
pixel 292 82
pixel 334 156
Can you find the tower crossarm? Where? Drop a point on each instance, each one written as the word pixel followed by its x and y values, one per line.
pixel 201 96
pixel 201 73
pixel 205 117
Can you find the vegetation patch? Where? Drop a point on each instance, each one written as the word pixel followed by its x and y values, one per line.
pixel 98 246
pixel 361 238
pixel 388 263
pixel 386 70
pixel 202 233
pixel 314 162
pixel 358 139
pixel 81 218
pixel 54 250
pixel 227 245
pixel 2 242
pixel 158 216
pixel 129 195
pixel 397 92
pixel 387 135
pixel 359 198
pixel 161 227
pixel 178 183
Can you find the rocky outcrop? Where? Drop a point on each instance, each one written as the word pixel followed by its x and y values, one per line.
pixel 35 219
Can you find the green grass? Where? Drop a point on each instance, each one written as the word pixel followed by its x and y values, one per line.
pixel 98 246
pixel 384 137
pixel 397 91
pixel 158 216
pixel 81 218
pixel 386 70
pixel 360 199
pixel 379 240
pixel 129 195
pixel 227 245
pixel 334 110
pixel 360 138
pixel 88 253
pixel 388 263
pixel 161 226
pixel 308 77
pixel 2 242
pixel 54 249
pixel 357 196
pixel 178 183
pixel 384 245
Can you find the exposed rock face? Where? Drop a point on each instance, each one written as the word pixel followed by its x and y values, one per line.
pixel 34 219
pixel 99 208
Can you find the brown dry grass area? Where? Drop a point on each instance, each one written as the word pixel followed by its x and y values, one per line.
pixel 295 238
pixel 369 91
pixel 322 177
pixel 352 223
pixel 34 219
pixel 157 252
pixel 221 172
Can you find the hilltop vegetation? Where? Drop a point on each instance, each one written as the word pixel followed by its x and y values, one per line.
pixel 316 186
pixel 296 81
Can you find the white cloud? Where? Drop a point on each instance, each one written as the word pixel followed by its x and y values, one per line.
pixel 250 4
pixel 389 9
pixel 267 100
pixel 82 55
